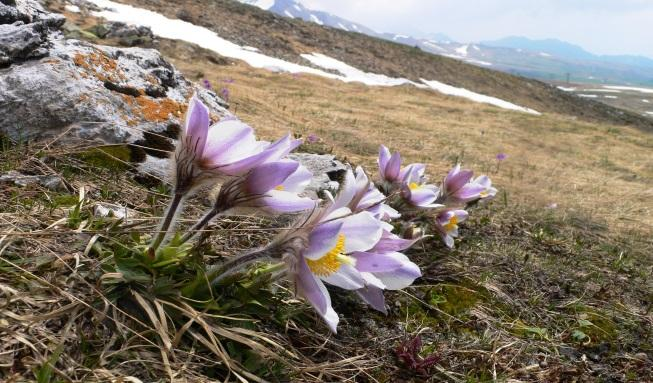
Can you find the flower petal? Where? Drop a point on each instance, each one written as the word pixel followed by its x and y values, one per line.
pixel 322 239
pixel 393 168
pixel 362 231
pixel 314 291
pixel 422 196
pixel 197 124
pixel 373 296
pixel 285 202
pixel 269 175
pixel 384 157
pixel 377 262
pixel 402 277
pixel 227 140
pixel 298 181
pixel 347 277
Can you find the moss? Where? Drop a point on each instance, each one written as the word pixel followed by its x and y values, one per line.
pixel 114 157
pixel 454 300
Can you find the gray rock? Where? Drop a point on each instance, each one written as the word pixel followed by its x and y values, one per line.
pixel 114 211
pixel 326 172
pixel 86 92
pixel 50 182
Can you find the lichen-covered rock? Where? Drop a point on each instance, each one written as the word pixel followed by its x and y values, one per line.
pixel 54 87
pixel 327 171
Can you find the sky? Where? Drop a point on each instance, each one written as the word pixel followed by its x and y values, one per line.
pixel 599 26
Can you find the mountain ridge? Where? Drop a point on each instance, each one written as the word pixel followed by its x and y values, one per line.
pixel 546 59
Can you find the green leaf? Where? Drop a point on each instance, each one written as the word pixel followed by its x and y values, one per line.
pixel 44 373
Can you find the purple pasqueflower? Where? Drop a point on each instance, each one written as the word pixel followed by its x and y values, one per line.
pixel 348 249
pixel 389 165
pixel 227 148
pixel 224 92
pixel 447 224
pixel 312 138
pixel 410 180
pixel 272 187
pixel 207 84
pixel 485 182
pixel 416 191
pixel 326 259
pixel 457 187
pixel 358 194
pixel 501 156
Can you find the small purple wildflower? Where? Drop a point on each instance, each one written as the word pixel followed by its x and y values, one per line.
pixel 224 92
pixel 501 156
pixel 207 84
pixel 312 138
pixel 228 80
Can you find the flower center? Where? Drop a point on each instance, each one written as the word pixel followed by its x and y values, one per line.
pixel 414 186
pixel 331 261
pixel 452 224
pixel 279 187
pixel 484 194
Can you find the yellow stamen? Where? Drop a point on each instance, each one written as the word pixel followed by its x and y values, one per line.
pixel 452 224
pixel 331 261
pixel 280 188
pixel 484 194
pixel 414 186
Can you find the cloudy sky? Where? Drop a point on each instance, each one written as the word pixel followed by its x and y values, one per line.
pixel 600 26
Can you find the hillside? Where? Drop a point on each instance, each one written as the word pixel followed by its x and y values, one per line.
pixel 549 282
pixel 289 38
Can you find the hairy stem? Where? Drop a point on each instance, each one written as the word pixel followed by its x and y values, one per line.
pixel 199 225
pixel 165 226
pixel 228 268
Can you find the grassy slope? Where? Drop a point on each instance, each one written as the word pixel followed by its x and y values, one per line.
pixel 509 303
pixel 288 38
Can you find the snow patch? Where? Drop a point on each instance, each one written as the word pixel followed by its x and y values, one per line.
pixel 462 50
pixel 251 49
pixel 297 7
pixel 478 62
pixel 343 27
pixel 651 113
pixel 316 19
pixel 287 13
pixel 588 95
pixel 646 101
pixel 397 37
pixel 603 90
pixel 562 88
pixel 263 4
pixel 351 74
pixel 71 8
pixel 636 89
pixel 468 94
pixel 611 97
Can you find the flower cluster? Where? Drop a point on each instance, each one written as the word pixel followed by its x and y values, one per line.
pixel 346 240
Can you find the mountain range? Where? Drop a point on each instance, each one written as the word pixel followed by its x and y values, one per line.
pixel 548 59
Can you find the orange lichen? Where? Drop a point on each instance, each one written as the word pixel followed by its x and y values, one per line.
pixel 101 66
pixel 159 110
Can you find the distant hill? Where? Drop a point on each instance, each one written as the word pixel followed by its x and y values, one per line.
pixel 549 59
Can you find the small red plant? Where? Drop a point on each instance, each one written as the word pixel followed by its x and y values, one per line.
pixel 408 353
